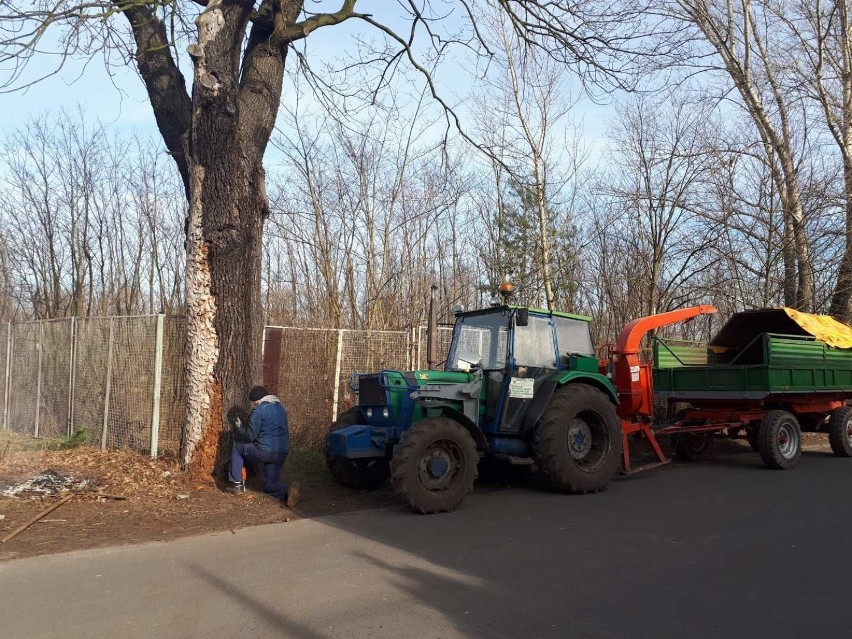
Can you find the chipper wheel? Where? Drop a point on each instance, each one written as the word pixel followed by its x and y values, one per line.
pixel 577 442
pixel 434 465
pixel 355 473
pixel 840 431
pixel 695 446
pixel 780 440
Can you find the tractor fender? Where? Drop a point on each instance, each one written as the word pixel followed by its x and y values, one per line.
pixel 464 420
pixel 540 402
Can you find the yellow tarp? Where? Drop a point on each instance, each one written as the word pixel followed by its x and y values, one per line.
pixel 824 328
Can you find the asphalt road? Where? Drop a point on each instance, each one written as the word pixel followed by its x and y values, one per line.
pixel 724 549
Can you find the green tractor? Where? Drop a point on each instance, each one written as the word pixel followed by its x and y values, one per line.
pixel 520 385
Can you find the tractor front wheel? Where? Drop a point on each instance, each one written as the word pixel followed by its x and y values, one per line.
pixel 434 465
pixel 355 473
pixel 577 442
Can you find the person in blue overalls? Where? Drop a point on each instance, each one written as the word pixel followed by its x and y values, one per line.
pixel 265 439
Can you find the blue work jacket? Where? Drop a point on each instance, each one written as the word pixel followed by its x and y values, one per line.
pixel 267 425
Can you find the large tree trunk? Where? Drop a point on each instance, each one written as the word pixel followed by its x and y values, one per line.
pixel 223 298
pixel 232 119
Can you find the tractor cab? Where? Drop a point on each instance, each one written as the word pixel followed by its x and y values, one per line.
pixel 517 350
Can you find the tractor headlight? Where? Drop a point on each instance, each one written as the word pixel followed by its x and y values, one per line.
pixel 385 412
pixel 369 413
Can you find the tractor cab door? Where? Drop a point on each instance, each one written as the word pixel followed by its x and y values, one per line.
pixel 532 360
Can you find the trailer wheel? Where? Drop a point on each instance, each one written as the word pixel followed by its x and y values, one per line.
pixel 780 440
pixel 840 431
pixel 577 442
pixel 434 465
pixel 355 473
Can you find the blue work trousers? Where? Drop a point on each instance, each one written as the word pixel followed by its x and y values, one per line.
pixel 272 465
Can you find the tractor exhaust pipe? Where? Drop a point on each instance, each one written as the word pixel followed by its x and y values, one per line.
pixel 432 331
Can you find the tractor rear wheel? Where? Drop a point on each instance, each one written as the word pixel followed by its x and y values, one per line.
pixel 577 442
pixel 780 440
pixel 434 465
pixel 840 431
pixel 355 473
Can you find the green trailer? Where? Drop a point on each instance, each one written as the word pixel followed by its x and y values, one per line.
pixel 772 373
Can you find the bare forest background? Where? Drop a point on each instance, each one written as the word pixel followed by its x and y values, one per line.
pixel 725 177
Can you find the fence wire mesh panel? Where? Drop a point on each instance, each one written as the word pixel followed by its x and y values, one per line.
pixel 368 352
pixel 444 335
pixel 172 391
pixel 55 343
pixel 131 393
pixel 90 376
pixel 23 379
pixel 102 368
pixel 307 383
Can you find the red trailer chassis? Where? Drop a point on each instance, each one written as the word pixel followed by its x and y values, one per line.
pixel 633 380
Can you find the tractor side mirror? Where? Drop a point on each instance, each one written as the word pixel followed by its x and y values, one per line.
pixel 522 317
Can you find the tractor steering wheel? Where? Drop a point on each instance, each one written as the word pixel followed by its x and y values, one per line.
pixel 607 352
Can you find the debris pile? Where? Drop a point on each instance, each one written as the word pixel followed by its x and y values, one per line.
pixel 121 472
pixel 46 483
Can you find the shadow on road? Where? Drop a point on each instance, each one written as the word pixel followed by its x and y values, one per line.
pixel 272 616
pixel 704 550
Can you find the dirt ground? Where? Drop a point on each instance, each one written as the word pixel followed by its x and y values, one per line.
pixel 161 503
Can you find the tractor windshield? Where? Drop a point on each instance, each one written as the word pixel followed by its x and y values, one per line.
pixel 479 341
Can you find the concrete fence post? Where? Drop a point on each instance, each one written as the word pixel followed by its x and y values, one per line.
pixel 38 377
pixel 71 370
pixel 108 389
pixel 338 361
pixel 158 379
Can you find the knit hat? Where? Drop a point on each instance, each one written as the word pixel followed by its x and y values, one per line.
pixel 258 392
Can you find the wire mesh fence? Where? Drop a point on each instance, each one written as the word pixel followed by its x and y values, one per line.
pixel 314 367
pixel 54 346
pixel 128 420
pixel 94 374
pixel 443 335
pixel 172 391
pixel 306 383
pixel 369 351
pixel 101 375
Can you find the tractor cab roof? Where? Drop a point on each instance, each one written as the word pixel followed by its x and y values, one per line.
pixel 533 311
